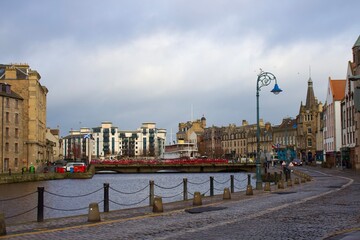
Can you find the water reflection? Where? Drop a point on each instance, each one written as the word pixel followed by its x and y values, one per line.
pixel 61 197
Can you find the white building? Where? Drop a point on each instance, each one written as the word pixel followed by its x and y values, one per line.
pixel 146 141
pixel 105 141
pixel 332 120
pixel 108 142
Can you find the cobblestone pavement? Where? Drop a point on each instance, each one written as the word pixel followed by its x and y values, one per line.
pixel 328 207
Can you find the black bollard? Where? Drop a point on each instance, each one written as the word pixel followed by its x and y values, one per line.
pixel 40 207
pixel 185 191
pixel 232 183
pixel 211 186
pixel 151 192
pixel 106 197
pixel 249 179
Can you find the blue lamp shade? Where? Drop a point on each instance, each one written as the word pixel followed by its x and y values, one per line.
pixel 276 90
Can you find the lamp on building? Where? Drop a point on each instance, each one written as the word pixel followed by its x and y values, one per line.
pixel 264 79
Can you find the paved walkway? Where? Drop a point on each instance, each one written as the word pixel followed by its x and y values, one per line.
pixel 325 208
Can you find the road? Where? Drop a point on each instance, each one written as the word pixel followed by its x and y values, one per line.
pixel 328 207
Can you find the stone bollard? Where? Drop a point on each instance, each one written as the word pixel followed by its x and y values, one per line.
pixel 249 190
pixel 296 181
pixel 2 225
pixel 289 183
pixel 281 184
pixel 226 194
pixel 158 205
pixel 267 187
pixel 94 213
pixel 197 199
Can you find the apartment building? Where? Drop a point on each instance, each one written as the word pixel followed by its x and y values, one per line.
pixel 11 131
pixel 25 82
pixel 109 142
pixel 77 146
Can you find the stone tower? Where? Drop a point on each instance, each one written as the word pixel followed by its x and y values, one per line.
pixel 308 126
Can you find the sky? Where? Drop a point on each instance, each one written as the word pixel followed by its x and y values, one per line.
pixel 172 61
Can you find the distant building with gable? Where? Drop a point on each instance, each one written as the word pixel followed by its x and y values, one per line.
pixel 332 121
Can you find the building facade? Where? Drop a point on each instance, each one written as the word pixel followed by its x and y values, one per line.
pixel 348 126
pixel 210 142
pixel 285 136
pixel 11 131
pixel 108 142
pixel 354 75
pixel 54 149
pixel 332 121
pixel 26 83
pixel 308 127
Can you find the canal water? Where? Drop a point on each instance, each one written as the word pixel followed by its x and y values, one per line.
pixel 71 197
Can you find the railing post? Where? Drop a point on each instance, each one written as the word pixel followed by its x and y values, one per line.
pixel 106 197
pixel 211 186
pixel 232 183
pixel 40 207
pixel 185 189
pixel 152 192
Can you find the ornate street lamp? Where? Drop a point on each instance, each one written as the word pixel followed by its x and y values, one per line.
pixel 264 79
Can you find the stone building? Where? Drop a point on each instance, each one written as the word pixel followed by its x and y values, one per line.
pixel 191 131
pixel 284 136
pixel 26 83
pixel 11 131
pixel 235 140
pixel 309 132
pixel 210 142
pixel 54 149
pixel 266 139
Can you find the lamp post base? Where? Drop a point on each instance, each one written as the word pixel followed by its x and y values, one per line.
pixel 259 185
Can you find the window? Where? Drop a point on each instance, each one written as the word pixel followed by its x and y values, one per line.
pixel 7 132
pixel 6 147
pixel 17 104
pixel 16 133
pixel 309 142
pixel 7 117
pixel 309 130
pixel 16 162
pixel 7 102
pixel 16 147
pixel 16 118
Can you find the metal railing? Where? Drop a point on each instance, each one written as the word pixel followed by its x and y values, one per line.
pixel 108 198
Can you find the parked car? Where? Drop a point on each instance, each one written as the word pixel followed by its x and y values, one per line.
pixel 297 162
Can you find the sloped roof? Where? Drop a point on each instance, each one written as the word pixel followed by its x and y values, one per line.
pixel 338 89
pixel 357 43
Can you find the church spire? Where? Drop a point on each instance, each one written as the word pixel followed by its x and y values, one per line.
pixel 310 97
